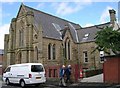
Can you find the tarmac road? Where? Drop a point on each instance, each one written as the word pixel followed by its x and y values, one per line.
pixel 73 85
pixel 55 84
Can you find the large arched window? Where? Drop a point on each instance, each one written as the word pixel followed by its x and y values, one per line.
pixel 36 53
pixel 21 37
pixel 19 58
pixel 12 38
pixel 67 51
pixel 49 51
pixel 54 50
pixel 27 56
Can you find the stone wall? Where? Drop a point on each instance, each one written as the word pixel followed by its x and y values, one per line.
pixel 93 57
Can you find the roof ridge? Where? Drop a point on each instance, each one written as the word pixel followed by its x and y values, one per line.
pixel 96 25
pixel 50 14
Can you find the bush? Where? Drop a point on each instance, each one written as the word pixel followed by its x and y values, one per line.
pixel 89 73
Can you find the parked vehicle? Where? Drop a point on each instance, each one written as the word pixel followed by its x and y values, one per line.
pixel 27 73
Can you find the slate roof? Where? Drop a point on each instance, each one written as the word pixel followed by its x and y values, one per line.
pixel 53 27
pixel 49 23
pixel 91 32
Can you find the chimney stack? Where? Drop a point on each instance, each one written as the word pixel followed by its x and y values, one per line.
pixel 112 13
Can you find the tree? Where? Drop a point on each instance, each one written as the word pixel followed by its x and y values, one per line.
pixel 107 39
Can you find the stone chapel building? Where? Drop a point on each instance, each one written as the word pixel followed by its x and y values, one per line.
pixel 36 36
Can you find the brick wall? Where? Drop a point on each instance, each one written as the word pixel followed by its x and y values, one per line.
pixel 93 58
pixel 1 60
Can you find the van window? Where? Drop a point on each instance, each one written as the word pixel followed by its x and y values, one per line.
pixel 36 68
pixel 7 70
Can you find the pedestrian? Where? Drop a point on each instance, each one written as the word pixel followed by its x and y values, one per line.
pixel 68 74
pixel 62 74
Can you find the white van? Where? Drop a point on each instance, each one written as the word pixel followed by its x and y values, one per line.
pixel 27 73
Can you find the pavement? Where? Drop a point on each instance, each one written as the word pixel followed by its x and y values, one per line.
pixel 90 82
pixel 96 79
pixel 0 84
pixel 0 81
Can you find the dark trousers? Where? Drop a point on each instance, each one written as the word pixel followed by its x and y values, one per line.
pixel 68 79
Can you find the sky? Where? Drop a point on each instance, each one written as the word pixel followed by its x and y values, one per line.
pixel 83 12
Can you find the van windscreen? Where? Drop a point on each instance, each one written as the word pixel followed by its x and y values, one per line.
pixel 36 68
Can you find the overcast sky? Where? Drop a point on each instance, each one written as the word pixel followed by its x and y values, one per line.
pixel 83 12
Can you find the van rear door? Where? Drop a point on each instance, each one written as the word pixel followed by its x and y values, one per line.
pixel 38 73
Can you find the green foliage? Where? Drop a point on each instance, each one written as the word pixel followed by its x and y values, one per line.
pixel 89 73
pixel 107 39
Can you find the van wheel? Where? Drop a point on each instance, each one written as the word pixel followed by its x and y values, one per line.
pixel 7 81
pixel 22 83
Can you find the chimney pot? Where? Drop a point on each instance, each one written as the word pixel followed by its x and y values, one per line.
pixel 112 13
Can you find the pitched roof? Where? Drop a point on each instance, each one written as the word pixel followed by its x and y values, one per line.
pixel 52 25
pixel 88 34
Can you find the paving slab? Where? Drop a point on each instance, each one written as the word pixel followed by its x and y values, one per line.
pixel 96 78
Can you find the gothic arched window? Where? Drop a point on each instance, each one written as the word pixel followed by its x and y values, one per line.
pixel 21 37
pixel 67 50
pixel 49 51
pixel 36 53
pixel 19 58
pixel 54 50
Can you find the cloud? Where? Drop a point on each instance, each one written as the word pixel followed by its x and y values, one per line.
pixel 40 5
pixel 65 8
pixel 59 0
pixel 6 15
pixel 0 14
pixel 12 1
pixel 4 29
pixel 8 1
pixel 89 24
pixel 105 14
